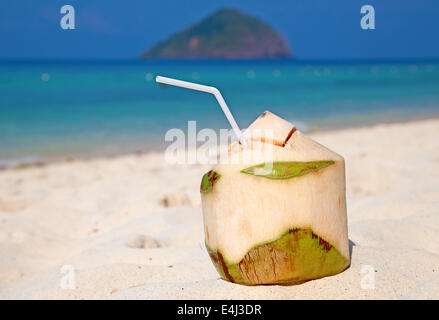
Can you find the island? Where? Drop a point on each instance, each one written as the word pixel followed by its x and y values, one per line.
pixel 226 34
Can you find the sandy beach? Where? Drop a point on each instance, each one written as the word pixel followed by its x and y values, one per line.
pixel 131 226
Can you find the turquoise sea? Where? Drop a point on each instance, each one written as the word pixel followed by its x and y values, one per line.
pixel 51 109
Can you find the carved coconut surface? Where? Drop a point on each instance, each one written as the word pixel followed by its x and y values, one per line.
pixel 276 211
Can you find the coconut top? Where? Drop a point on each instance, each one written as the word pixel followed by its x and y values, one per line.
pixel 270 128
pixel 271 138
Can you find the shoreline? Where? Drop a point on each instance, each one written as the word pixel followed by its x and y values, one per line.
pixel 17 164
pixel 396 120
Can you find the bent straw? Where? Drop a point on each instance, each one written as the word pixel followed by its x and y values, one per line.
pixel 208 89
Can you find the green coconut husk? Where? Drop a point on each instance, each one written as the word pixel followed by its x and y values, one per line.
pixel 296 256
pixel 280 170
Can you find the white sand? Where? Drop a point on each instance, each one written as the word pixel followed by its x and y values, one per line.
pixel 105 219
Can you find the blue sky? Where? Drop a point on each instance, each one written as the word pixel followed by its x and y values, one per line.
pixel 315 29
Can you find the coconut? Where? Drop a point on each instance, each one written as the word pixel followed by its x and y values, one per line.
pixel 276 211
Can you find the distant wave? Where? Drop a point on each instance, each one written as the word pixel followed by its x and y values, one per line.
pixel 19 161
pixel 300 125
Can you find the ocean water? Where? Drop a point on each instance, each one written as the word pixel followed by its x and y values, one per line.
pixel 58 109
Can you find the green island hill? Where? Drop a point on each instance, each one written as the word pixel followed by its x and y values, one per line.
pixel 226 34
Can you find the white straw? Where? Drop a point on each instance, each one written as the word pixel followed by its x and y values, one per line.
pixel 208 89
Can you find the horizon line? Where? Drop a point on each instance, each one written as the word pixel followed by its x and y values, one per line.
pixel 291 60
